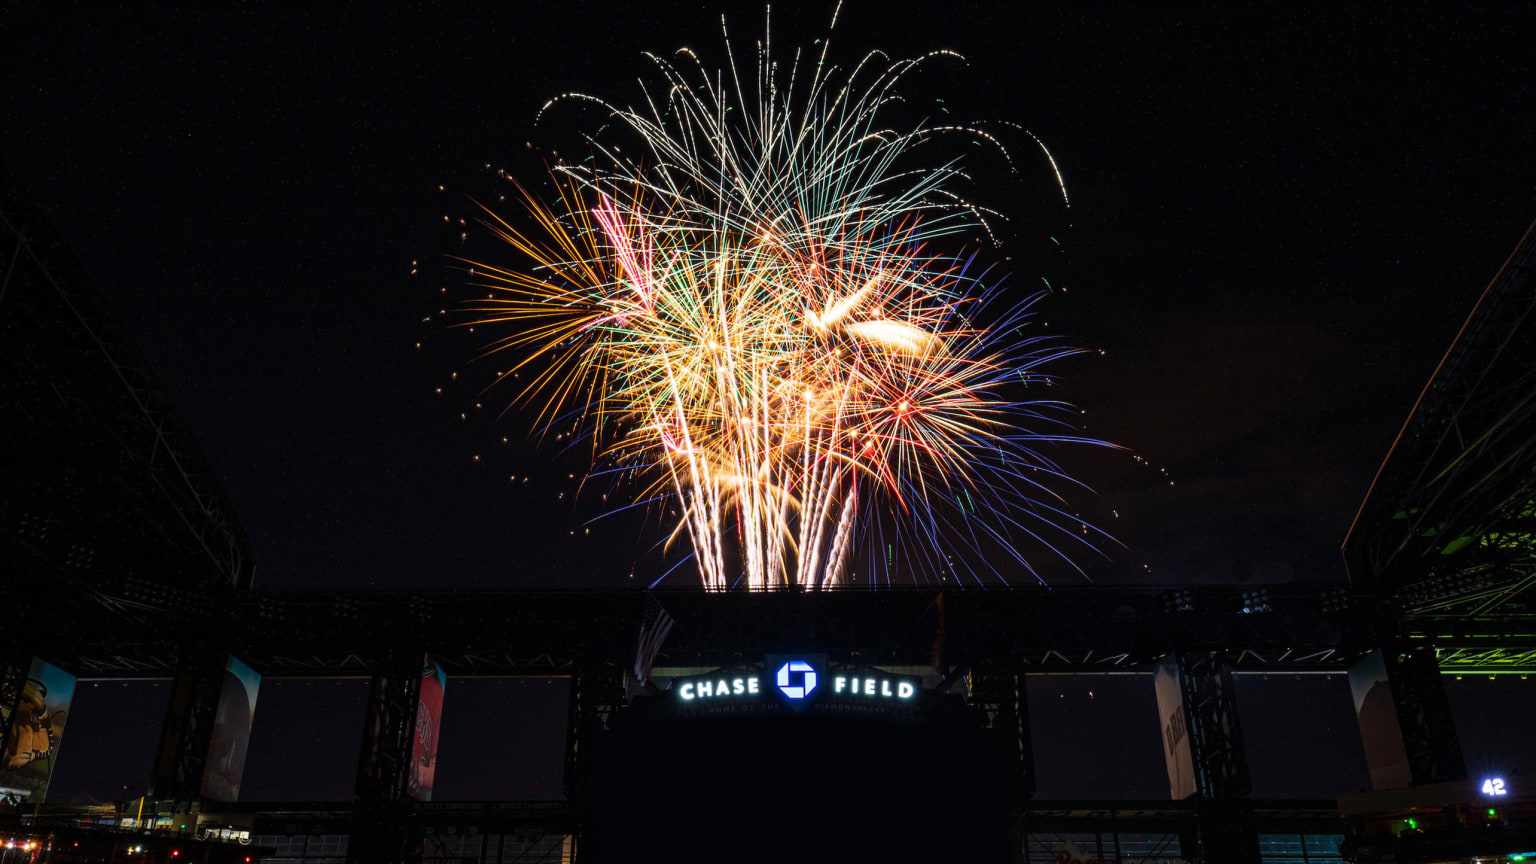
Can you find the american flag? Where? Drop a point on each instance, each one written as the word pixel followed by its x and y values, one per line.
pixel 655 624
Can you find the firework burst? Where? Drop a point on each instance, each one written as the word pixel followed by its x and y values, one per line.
pixel 756 312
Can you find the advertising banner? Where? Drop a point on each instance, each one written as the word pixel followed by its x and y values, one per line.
pixel 429 718
pixel 231 732
pixel 37 728
pixel 1376 711
pixel 1170 713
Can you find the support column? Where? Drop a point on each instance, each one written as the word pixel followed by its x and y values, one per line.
pixel 13 676
pixel 182 756
pixel 1001 696
pixel 1215 731
pixel 597 690
pixel 1405 718
pixel 382 824
pixel 1203 747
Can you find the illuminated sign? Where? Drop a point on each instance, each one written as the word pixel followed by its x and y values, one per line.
pixel 877 686
pixel 1494 787
pixel 797 682
pixel 796 679
pixel 721 688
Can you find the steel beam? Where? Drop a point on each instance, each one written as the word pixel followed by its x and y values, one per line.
pixel 1448 520
pixel 999 694
pixel 182 756
pixel 597 690
pixel 383 826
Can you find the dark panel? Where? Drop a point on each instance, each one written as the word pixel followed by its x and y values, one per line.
pixel 113 729
pixel 1493 719
pixel 516 725
pixel 1096 736
pixel 1301 736
pixel 305 739
pixel 801 787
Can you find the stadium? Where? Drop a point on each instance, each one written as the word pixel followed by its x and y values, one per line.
pixel 815 725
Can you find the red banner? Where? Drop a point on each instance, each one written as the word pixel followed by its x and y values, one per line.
pixel 429 718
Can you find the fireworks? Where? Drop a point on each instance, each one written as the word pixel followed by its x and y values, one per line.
pixel 756 313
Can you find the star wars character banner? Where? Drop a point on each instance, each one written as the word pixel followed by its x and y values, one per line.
pixel 37 728
pixel 429 718
pixel 231 732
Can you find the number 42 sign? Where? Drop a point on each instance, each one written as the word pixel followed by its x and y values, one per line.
pixel 1494 787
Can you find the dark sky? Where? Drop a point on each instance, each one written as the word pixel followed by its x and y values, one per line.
pixel 1279 219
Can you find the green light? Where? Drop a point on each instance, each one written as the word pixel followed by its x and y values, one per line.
pixel 1413 824
pixel 1492 812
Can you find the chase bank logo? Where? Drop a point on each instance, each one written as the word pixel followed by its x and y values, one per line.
pixel 796 679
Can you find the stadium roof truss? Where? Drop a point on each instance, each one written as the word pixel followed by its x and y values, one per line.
pixel 106 484
pixel 1449 524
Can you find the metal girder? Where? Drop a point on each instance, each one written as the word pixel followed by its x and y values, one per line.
pixel 383 766
pixel 182 756
pixel 337 634
pixel 545 633
pixel 1424 714
pixel 1486 661
pixel 385 815
pixel 999 694
pixel 13 677
pixel 1215 728
pixel 597 691
pixel 103 478
pixel 1450 519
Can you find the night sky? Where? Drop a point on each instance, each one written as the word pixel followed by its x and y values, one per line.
pixel 1279 218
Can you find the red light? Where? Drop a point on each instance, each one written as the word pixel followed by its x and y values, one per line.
pixel 175 853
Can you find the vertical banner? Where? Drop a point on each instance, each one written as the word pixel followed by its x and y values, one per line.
pixel 1376 712
pixel 655 624
pixel 1170 713
pixel 231 732
pixel 429 717
pixel 37 727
